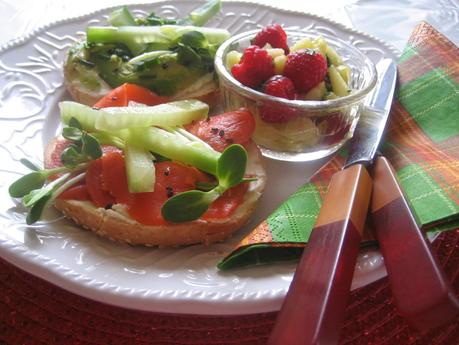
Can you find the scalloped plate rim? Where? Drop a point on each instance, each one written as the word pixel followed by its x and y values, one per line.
pixel 44 267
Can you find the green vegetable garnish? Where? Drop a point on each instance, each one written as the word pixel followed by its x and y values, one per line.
pixel 191 205
pixel 121 17
pixel 32 188
pixel 163 55
pixel 197 17
pixel 117 118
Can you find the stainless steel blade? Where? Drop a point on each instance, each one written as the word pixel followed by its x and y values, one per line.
pixel 373 119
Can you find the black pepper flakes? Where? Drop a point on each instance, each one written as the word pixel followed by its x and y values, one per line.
pixel 221 133
pixel 169 191
pixel 108 206
pixel 165 65
pixel 214 130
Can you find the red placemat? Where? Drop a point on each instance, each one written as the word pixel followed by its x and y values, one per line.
pixel 32 311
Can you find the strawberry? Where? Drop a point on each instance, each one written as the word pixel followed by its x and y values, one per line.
pixel 255 67
pixel 274 35
pixel 278 86
pixel 306 68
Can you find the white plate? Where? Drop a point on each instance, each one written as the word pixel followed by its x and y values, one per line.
pixel 162 280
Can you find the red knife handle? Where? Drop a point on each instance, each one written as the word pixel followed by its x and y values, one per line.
pixel 419 286
pixel 315 303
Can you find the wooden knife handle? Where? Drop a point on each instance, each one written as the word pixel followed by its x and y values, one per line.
pixel 421 291
pixel 315 303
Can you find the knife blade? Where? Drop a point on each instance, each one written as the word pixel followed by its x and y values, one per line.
pixel 315 303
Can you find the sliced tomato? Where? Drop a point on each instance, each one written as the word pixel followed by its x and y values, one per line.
pixel 121 96
pixel 222 130
pixel 78 192
pixel 99 196
pixel 225 205
pixel 114 177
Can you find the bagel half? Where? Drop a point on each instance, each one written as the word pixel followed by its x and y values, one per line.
pixel 87 87
pixel 116 224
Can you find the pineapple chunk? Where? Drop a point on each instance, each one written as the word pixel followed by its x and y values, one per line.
pixel 320 44
pixel 333 56
pixel 279 64
pixel 275 52
pixel 305 43
pixel 232 58
pixel 330 95
pixel 317 93
pixel 339 86
pixel 345 72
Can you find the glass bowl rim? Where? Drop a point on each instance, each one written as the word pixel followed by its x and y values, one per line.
pixel 299 104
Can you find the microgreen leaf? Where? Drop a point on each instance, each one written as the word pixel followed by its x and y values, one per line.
pixel 91 147
pixel 231 166
pixel 71 156
pixel 187 56
pixel 26 184
pixel 188 206
pixel 34 196
pixel 73 122
pixel 193 204
pixel 72 133
pixel 37 209
pixel 205 186
pixel 29 164
pixel 194 39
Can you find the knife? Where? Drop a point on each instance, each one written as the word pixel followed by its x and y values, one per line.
pixel 314 307
pixel 422 293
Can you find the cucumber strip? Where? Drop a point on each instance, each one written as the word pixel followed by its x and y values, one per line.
pixel 85 115
pixel 339 86
pixel 213 35
pixel 148 56
pixel 201 15
pixel 176 147
pixel 168 114
pixel 140 169
pixel 136 38
pixel 121 17
pixel 165 34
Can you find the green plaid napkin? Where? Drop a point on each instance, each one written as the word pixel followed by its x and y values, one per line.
pixel 422 143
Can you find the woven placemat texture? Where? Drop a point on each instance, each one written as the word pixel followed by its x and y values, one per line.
pixel 33 311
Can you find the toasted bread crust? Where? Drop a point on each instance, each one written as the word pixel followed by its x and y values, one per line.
pixel 116 224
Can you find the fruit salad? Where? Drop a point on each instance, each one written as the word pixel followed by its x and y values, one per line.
pixel 307 69
pixel 314 69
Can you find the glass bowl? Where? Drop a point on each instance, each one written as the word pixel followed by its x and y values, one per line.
pixel 318 128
